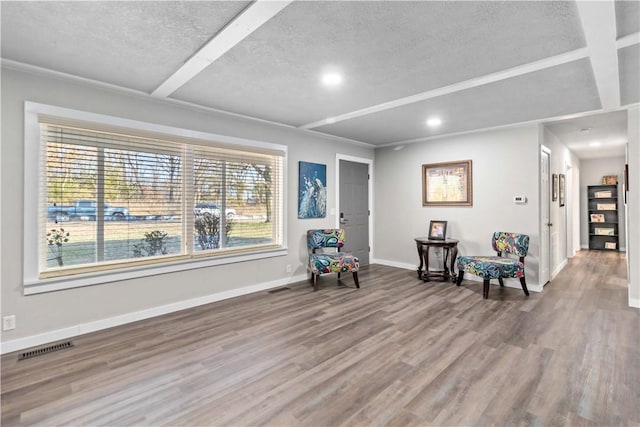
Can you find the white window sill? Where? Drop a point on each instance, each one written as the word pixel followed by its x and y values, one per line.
pixel 38 286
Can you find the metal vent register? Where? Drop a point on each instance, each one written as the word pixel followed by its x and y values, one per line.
pixel 45 350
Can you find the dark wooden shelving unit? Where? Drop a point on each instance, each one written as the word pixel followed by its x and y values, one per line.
pixel 603 217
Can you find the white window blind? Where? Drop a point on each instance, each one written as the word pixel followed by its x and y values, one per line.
pixel 113 198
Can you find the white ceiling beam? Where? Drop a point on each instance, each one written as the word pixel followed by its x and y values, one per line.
pixel 457 87
pixel 599 25
pixel 252 18
pixel 628 40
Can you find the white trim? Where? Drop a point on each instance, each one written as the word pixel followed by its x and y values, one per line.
pixel 37 108
pixel 457 87
pixel 249 20
pixel 396 264
pixel 39 286
pixel 491 128
pixel 599 27
pixel 19 66
pixel 635 303
pixel 73 331
pixel 32 284
pixel 369 163
pixel 628 40
pixel 543 227
pixel 508 282
pixel 559 268
pixel 413 267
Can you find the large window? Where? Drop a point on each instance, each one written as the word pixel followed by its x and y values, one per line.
pixel 116 198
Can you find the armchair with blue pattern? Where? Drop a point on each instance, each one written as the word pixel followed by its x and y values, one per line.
pixel 321 262
pixel 498 267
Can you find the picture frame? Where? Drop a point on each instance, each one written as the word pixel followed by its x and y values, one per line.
pixel 438 230
pixel 604 231
pixel 610 179
pixel 561 189
pixel 602 195
pixel 554 187
pixel 606 207
pixel 447 184
pixel 595 217
pixel 312 190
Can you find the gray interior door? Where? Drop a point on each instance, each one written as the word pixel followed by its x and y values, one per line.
pixel 354 208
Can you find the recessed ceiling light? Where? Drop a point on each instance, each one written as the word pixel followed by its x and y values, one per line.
pixel 585 129
pixel 595 144
pixel 434 122
pixel 331 79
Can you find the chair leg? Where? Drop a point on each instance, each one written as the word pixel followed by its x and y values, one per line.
pixel 355 279
pixel 315 282
pixel 459 280
pixel 338 275
pixel 524 286
pixel 485 289
pixel 501 282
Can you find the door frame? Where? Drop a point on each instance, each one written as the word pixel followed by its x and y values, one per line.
pixel 544 228
pixel 369 163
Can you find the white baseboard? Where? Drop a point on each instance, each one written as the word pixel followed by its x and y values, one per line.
pixel 634 302
pixel 397 264
pixel 73 331
pixel 559 268
pixel 510 283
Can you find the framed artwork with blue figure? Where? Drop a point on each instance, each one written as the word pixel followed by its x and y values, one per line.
pixel 312 190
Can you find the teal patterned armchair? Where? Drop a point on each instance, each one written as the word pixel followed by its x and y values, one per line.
pixel 498 267
pixel 330 262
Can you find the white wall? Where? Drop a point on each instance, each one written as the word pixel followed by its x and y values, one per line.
pixel 63 311
pixel 633 206
pixel 563 161
pixel 591 173
pixel 505 164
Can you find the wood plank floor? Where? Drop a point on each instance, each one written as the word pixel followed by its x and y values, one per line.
pixel 396 352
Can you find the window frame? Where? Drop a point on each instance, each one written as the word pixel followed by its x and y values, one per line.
pixel 34 284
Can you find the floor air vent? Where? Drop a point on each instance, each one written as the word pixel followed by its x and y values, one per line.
pixel 45 350
pixel 275 291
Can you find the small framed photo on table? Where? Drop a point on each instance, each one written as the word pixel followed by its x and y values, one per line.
pixel 437 230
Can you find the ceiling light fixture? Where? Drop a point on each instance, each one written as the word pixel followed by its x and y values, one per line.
pixel 331 79
pixel 585 129
pixel 434 122
pixel 595 144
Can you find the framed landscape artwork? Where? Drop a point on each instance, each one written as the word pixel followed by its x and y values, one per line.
pixel 447 184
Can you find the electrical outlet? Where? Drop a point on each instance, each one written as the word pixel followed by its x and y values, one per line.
pixel 288 268
pixel 8 323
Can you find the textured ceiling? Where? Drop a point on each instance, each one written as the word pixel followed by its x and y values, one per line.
pixel 475 64
pixel 386 50
pixel 551 92
pixel 132 44
pixel 608 129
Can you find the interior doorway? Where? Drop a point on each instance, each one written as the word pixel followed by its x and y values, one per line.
pixel 354 196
